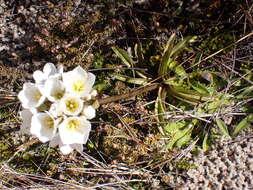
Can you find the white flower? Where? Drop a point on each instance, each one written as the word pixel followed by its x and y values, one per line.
pixel 43 126
pixel 55 109
pixel 74 130
pixel 89 112
pixel 49 70
pixel 71 105
pixel 91 95
pixel 65 148
pixel 94 93
pixel 53 89
pixel 30 96
pixel 26 116
pixel 78 81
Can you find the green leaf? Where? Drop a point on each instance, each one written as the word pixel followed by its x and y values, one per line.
pixel 166 56
pixel 172 127
pixel 187 95
pixel 174 81
pixel 247 93
pixel 179 134
pixel 180 46
pixel 218 103
pixel 179 70
pixel 170 53
pixel 159 110
pixel 173 66
pixel 205 144
pixel 102 86
pixel 169 45
pixel 139 52
pixel 184 140
pixel 124 78
pixel 222 126
pixel 162 71
pixel 123 55
pixel 246 122
pixel 197 59
pixel 142 74
pixel 159 105
pixel 199 87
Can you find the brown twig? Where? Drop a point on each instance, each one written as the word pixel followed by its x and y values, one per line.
pixel 247 13
pixel 128 95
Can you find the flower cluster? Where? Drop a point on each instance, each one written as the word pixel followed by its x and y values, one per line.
pixel 56 107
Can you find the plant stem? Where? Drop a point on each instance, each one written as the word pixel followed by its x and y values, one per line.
pixel 128 95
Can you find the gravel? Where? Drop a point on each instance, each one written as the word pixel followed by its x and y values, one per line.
pixel 228 166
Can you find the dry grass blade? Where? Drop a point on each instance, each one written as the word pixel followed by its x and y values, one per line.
pixel 10 179
pixel 6 100
pixel 23 148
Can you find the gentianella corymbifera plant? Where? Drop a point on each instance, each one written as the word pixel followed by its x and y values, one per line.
pixel 57 107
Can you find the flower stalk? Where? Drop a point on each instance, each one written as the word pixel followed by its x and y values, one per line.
pixel 129 94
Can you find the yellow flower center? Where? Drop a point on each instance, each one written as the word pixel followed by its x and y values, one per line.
pixel 71 105
pixel 78 86
pixel 58 95
pixel 49 122
pixel 73 125
pixel 37 95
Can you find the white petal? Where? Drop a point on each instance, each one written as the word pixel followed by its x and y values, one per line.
pixel 74 130
pixel 60 68
pixel 33 110
pixel 43 126
pixel 88 85
pixel 85 138
pixel 93 93
pixel 55 109
pixel 87 97
pixel 89 112
pixel 66 149
pixel 78 81
pixel 39 77
pixel 80 71
pixel 91 79
pixel 26 116
pixel 53 89
pixel 78 147
pixel 23 99
pixel 55 141
pixel 49 69
pixel 30 96
pixel 71 105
